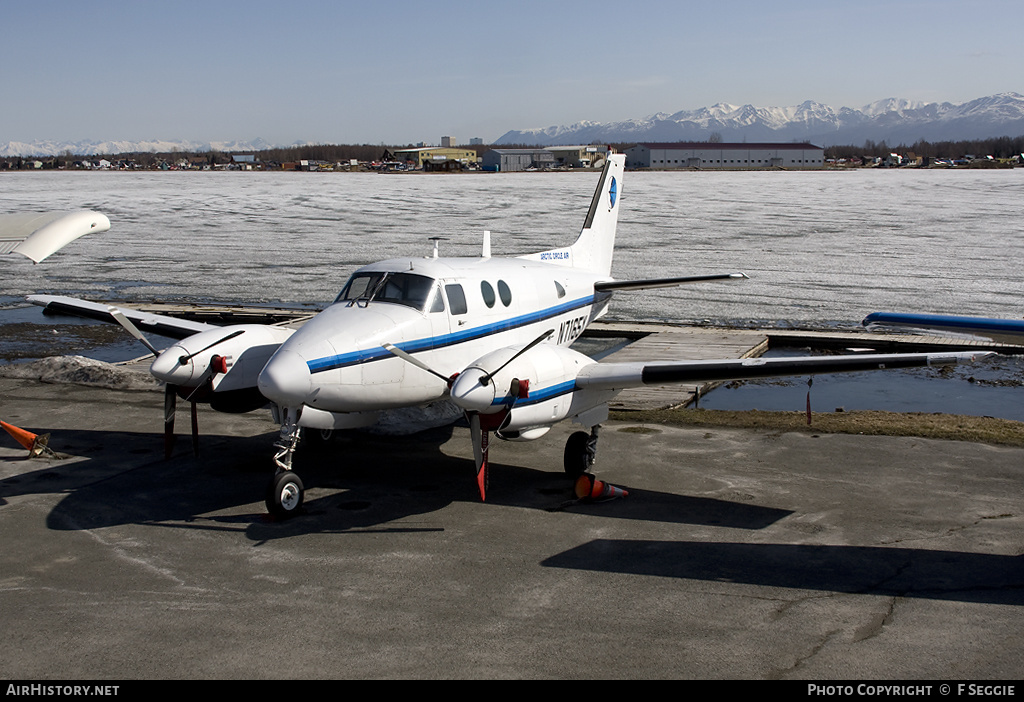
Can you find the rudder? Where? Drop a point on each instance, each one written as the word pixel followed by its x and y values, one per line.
pixel 595 244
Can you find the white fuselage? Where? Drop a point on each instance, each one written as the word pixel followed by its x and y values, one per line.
pixel 463 309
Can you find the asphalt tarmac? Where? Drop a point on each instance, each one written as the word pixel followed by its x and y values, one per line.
pixel 736 554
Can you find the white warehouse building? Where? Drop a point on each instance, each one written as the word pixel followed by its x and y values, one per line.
pixel 726 156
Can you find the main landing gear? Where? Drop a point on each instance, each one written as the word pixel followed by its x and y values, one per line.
pixel 580 452
pixel 285 491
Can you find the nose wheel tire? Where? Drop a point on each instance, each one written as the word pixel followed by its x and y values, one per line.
pixel 284 494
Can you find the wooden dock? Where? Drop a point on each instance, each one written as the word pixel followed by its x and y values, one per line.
pixel 663 342
pixel 669 343
pixel 214 313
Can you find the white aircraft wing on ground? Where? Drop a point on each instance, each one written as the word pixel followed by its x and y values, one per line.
pixel 1003 331
pixel 37 235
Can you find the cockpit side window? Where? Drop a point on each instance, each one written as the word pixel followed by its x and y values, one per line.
pixel 456 298
pixel 406 289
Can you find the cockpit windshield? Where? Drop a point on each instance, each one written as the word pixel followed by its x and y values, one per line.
pixel 408 289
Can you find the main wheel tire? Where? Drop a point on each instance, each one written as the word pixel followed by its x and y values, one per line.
pixel 285 494
pixel 576 460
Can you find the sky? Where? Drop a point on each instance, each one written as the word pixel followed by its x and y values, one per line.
pixel 335 71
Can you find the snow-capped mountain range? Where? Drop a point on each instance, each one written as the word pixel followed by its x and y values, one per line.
pixel 893 120
pixel 97 148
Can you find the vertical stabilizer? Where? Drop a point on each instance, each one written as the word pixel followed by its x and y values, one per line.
pixel 594 246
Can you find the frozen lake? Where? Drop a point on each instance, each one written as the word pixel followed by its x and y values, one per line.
pixel 821 248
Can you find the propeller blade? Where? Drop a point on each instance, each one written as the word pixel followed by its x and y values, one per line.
pixel 119 317
pixel 170 402
pixel 414 361
pixel 195 430
pixel 487 378
pixel 480 440
pixel 185 359
pixel 205 384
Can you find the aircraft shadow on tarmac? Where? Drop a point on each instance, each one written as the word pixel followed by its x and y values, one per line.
pixel 370 482
pixel 864 570
pixel 361 482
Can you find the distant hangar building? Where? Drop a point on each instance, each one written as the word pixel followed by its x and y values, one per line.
pixel 708 155
pixel 508 160
pixel 583 156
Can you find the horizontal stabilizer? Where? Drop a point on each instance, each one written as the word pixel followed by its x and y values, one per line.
pixel 1005 331
pixel 607 376
pixel 664 282
pixel 162 325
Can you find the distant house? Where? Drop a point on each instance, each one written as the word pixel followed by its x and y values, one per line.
pixel 244 162
pixel 706 155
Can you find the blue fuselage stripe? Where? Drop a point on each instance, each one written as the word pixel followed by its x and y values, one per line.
pixel 353 358
pixel 539 395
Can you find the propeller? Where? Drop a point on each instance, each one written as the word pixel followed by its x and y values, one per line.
pixel 479 431
pixel 121 319
pixel 480 424
pixel 171 390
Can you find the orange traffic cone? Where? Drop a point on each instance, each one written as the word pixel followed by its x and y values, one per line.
pixel 590 488
pixel 35 444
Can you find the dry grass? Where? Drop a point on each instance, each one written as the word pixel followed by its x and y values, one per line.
pixel 988 430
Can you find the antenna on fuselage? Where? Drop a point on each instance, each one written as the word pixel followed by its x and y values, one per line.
pixel 436 239
pixel 487 244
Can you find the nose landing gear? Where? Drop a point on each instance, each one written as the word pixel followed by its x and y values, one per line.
pixel 285 491
pixel 284 494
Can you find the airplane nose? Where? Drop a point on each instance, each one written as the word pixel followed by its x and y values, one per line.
pixel 168 367
pixel 470 395
pixel 285 379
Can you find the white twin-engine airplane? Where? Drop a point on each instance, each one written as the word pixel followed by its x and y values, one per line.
pixel 491 335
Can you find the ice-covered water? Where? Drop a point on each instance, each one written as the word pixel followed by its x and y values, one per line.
pixel 821 248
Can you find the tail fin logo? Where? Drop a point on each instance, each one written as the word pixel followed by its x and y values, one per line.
pixel 613 192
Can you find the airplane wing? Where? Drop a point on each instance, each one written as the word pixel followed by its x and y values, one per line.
pixel 616 376
pixel 1005 331
pixel 162 325
pixel 37 235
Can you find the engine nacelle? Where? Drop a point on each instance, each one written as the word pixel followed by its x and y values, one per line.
pixel 231 356
pixel 552 396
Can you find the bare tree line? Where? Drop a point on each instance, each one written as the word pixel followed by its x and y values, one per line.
pixel 996 147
